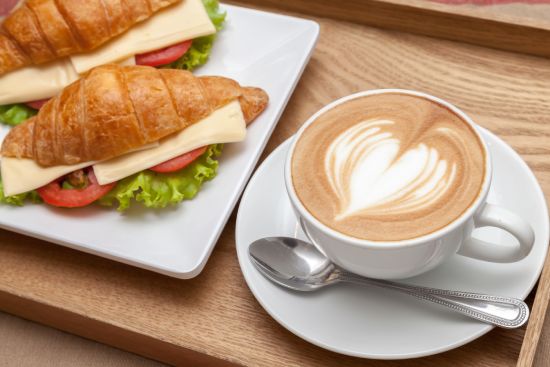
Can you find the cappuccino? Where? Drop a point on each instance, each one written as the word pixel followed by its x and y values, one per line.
pixel 388 167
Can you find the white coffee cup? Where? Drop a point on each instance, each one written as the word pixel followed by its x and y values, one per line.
pixel 406 258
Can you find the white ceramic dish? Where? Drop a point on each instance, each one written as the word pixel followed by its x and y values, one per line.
pixel 376 323
pixel 177 241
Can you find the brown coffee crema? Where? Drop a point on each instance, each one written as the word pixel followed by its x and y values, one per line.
pixel 388 167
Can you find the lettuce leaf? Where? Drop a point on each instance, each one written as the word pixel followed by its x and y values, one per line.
pixel 14 114
pixel 18 200
pixel 199 52
pixel 158 190
pixel 216 16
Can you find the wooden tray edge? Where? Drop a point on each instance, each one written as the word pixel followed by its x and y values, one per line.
pixel 117 337
pixel 539 309
pixel 428 19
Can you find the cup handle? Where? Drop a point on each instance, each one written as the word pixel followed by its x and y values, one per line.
pixel 494 216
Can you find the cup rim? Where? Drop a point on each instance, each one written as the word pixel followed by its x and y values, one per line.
pixel 364 243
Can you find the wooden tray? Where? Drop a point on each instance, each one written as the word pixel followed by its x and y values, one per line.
pixel 513 25
pixel 214 318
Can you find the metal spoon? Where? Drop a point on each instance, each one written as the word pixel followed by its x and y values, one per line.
pixel 300 266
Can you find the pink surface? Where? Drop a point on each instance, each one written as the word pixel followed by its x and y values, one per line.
pixel 6 6
pixel 491 2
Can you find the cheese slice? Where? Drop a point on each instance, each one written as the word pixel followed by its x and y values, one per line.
pixel 40 82
pixel 36 82
pixel 225 125
pixel 22 175
pixel 180 22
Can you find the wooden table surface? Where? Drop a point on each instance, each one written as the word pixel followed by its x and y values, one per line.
pixel 214 317
pixel 26 343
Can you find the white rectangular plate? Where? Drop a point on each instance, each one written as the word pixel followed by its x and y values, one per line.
pixel 255 48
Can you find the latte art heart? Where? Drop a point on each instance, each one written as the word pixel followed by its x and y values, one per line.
pixel 371 175
pixel 388 167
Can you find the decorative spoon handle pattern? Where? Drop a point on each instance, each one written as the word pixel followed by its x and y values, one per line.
pixel 506 312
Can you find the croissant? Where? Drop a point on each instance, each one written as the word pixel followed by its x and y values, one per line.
pixel 114 109
pixel 44 30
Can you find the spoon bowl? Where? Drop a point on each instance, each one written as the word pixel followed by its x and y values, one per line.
pixel 292 263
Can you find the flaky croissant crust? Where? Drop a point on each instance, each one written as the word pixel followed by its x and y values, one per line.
pixel 45 30
pixel 115 109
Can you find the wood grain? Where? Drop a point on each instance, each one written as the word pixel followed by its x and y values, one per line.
pixel 504 29
pixel 215 314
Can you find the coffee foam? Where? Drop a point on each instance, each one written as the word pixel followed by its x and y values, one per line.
pixel 388 167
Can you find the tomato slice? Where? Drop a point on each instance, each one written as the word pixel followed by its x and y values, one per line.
pixel 54 195
pixel 180 162
pixel 163 56
pixel 37 104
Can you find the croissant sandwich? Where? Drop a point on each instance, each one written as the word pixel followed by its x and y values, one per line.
pixel 40 31
pixel 47 44
pixel 127 132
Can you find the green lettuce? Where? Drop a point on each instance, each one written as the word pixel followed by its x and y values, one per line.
pixel 200 49
pixel 14 114
pixel 18 200
pixel 158 190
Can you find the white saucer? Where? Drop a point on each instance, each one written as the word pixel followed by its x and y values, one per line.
pixel 375 323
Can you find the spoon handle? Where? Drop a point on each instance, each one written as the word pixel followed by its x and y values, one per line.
pixel 506 312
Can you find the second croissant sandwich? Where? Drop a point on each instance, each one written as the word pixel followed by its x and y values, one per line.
pixel 118 121
pixel 40 31
pixel 45 45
